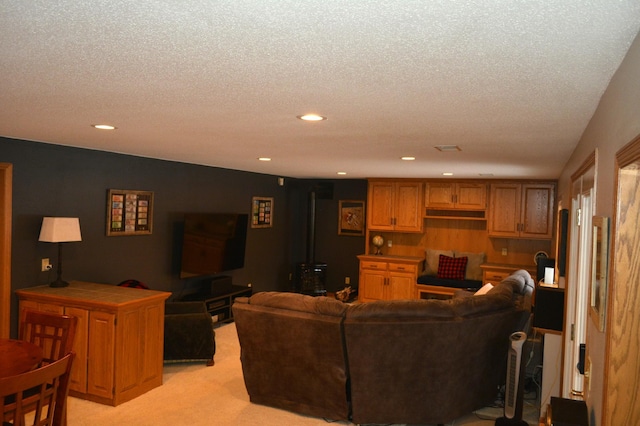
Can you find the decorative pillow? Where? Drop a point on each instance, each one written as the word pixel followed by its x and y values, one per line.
pixel 432 257
pixel 473 264
pixel 452 268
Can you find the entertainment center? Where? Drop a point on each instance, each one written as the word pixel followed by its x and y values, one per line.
pixel 219 298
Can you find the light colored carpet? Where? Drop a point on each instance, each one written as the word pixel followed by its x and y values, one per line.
pixel 194 394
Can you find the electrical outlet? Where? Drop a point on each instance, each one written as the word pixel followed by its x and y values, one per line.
pixel 45 265
pixel 504 251
pixel 347 280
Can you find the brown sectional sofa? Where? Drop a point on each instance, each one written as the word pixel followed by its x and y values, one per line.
pixel 405 361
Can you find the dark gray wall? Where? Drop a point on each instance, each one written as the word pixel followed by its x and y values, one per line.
pixel 53 180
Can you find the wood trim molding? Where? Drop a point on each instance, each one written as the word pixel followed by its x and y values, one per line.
pixel 630 153
pixel 588 163
pixel 6 173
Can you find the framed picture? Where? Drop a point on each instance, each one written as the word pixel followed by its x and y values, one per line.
pixel 351 217
pixel 600 270
pixel 261 212
pixel 129 212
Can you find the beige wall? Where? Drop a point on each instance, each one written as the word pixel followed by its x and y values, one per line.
pixel 615 123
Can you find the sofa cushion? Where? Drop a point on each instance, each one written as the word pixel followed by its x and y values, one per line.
pixel 396 310
pixel 299 302
pixel 473 271
pixel 432 259
pixel 452 268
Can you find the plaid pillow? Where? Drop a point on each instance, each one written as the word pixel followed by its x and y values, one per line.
pixel 452 268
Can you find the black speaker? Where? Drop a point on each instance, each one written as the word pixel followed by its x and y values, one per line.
pixel 544 263
pixel 567 412
pixel 562 244
pixel 548 310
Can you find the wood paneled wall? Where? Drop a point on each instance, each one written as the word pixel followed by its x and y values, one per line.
pixel 463 235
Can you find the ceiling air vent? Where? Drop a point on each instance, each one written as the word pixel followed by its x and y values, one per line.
pixel 447 148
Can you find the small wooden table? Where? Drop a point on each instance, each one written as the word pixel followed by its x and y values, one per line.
pixel 18 356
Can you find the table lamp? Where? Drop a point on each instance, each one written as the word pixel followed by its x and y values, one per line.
pixel 60 230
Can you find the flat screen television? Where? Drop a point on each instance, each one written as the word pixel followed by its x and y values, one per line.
pixel 213 243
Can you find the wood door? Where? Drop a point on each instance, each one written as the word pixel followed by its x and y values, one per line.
pixel 622 360
pixel 380 206
pixel 471 196
pixel 504 212
pixel 439 195
pixel 372 285
pixel 78 377
pixel 408 207
pixel 6 173
pixel 402 286
pixel 152 343
pixel 537 211
pixel 101 349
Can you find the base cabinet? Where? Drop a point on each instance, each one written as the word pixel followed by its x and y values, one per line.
pixel 119 338
pixel 388 278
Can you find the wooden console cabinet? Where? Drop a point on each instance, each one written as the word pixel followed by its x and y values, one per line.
pixel 119 340
pixel 388 277
pixel 219 301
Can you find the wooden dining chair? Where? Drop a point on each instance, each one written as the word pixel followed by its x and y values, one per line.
pixel 40 393
pixel 54 333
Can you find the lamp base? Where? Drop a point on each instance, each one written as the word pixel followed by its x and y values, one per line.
pixel 58 283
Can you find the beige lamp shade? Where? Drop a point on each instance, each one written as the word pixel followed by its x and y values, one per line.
pixel 60 230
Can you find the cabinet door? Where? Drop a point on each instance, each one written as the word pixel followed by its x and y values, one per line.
pixel 78 377
pixel 439 195
pixel 101 348
pixel 372 285
pixel 471 196
pixel 380 206
pixel 153 343
pixel 504 214
pixel 408 207
pixel 401 286
pixel 537 211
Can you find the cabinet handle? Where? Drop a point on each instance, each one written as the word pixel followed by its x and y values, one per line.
pixel 400 268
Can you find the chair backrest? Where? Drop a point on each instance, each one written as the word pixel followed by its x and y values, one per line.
pixel 43 391
pixel 54 333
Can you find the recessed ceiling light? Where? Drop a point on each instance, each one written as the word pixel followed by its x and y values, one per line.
pixel 311 117
pixel 264 158
pixel 408 158
pixel 103 126
pixel 447 174
pixel 342 173
pixel 447 148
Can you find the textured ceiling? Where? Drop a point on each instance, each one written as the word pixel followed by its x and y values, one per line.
pixel 513 83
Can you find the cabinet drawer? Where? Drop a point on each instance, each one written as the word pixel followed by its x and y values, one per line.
pixel 367 264
pixel 494 277
pixel 403 267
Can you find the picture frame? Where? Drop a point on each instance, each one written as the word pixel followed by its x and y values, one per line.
pixel 262 212
pixel 351 218
pixel 129 212
pixel 600 271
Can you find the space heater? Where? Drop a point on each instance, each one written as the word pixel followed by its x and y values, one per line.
pixel 514 387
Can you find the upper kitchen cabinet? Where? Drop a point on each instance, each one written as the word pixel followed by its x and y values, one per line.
pixel 395 206
pixel 521 210
pixel 455 196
